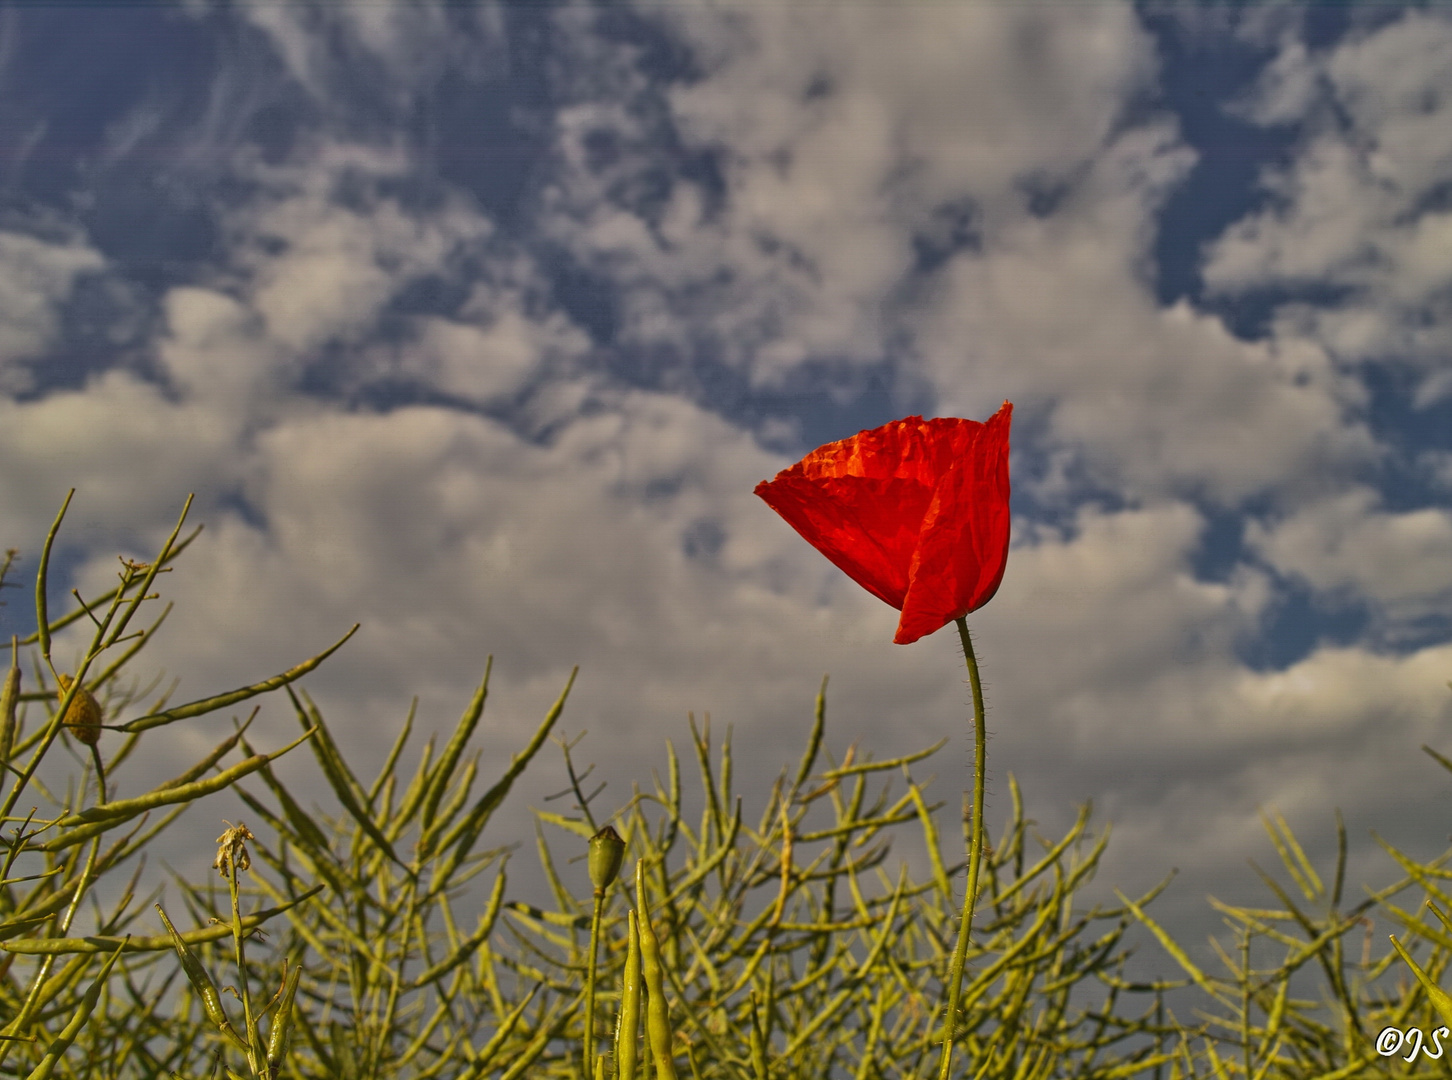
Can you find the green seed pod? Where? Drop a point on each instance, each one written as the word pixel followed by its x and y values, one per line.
pixel 627 1030
pixel 281 1030
pixel 9 698
pixel 197 976
pixel 657 1013
pixel 607 852
pixel 758 1042
pixel 83 718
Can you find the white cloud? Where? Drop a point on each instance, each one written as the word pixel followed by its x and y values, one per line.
pixel 1437 466
pixel 492 348
pixel 477 363
pixel 131 454
pixel 840 140
pixel 313 267
pixel 843 146
pixel 216 347
pixel 1336 689
pixel 36 275
pixel 402 47
pixel 1361 209
pixel 975 94
pixel 1125 602
pixel 1286 89
pixel 1154 400
pixel 323 266
pixel 1401 562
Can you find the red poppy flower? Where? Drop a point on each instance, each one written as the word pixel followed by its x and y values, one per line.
pixel 916 512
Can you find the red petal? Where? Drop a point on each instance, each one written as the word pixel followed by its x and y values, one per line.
pixel 868 528
pixel 963 547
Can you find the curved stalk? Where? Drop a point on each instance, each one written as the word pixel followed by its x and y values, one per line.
pixel 975 852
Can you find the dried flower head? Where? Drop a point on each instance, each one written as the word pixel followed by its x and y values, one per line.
pixel 231 842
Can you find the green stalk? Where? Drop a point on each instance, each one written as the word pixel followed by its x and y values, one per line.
pixel 253 1057
pixel 590 984
pixel 607 851
pixel 975 852
pixel 33 1003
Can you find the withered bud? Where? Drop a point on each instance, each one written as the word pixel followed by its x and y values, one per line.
pixel 232 841
pixel 83 718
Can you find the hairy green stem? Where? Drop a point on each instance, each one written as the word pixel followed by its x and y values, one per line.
pixel 975 852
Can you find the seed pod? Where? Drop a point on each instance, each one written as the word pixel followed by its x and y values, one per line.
pixel 84 716
pixel 758 1041
pixel 627 1029
pixel 9 697
pixel 281 1030
pixel 607 852
pixel 657 1013
pixel 197 975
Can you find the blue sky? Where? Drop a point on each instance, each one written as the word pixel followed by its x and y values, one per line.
pixel 478 325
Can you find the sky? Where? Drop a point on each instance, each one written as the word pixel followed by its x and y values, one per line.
pixel 478 324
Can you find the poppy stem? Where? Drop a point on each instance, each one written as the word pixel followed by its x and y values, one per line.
pixel 975 851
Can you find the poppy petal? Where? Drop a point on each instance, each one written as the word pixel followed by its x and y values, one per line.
pixel 867 528
pixel 963 544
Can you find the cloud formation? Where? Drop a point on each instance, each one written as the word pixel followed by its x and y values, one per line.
pixel 530 425
pixel 1358 226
